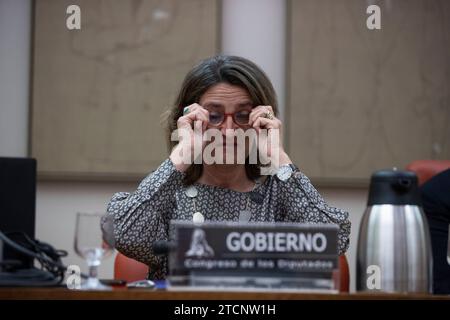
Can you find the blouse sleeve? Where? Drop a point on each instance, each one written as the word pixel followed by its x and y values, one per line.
pixel 142 217
pixel 303 203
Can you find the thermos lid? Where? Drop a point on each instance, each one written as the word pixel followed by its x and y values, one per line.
pixel 394 187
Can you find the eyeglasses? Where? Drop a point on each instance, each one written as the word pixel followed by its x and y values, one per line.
pixel 240 118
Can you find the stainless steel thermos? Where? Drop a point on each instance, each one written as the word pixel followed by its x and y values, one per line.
pixel 394 248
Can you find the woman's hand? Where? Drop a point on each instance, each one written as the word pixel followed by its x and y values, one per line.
pixel 262 117
pixel 190 128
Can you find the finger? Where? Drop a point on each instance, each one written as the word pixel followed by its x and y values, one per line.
pixel 254 111
pixel 259 112
pixel 266 108
pixel 255 115
pixel 206 116
pixel 195 108
pixel 198 128
pixel 266 123
pixel 199 113
pixel 196 114
pixel 256 125
pixel 191 109
pixel 198 133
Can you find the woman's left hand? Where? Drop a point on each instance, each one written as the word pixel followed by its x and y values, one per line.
pixel 263 117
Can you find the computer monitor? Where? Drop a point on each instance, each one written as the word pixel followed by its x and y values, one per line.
pixel 17 204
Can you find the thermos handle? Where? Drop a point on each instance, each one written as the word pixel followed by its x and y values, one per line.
pixel 402 185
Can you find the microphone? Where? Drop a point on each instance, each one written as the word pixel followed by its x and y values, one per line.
pixel 162 247
pixel 256 197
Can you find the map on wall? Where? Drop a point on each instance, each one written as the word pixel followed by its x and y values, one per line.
pixel 98 93
pixel 361 100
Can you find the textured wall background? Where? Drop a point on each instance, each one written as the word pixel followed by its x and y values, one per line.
pixel 362 100
pixel 98 92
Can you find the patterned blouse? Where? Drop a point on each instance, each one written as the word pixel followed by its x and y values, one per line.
pixel 142 217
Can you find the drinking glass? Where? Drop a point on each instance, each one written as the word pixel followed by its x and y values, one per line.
pixel 93 242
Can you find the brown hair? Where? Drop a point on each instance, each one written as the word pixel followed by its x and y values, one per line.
pixel 209 72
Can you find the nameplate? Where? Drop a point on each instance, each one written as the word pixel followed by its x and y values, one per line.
pixel 254 254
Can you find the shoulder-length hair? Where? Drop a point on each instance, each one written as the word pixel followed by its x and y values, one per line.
pixel 232 70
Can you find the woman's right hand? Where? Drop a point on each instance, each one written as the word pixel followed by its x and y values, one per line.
pixel 190 128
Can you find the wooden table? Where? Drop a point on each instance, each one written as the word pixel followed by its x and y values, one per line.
pixel 147 294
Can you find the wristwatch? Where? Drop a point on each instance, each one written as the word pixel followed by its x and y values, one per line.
pixel 285 171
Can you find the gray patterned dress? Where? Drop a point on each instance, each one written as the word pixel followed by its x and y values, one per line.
pixel 142 217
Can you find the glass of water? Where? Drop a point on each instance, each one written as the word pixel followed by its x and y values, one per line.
pixel 93 242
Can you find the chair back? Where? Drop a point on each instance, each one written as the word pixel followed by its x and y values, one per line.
pixel 426 169
pixel 129 269
pixel 344 283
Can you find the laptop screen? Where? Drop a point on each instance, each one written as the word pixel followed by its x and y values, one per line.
pixel 17 203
